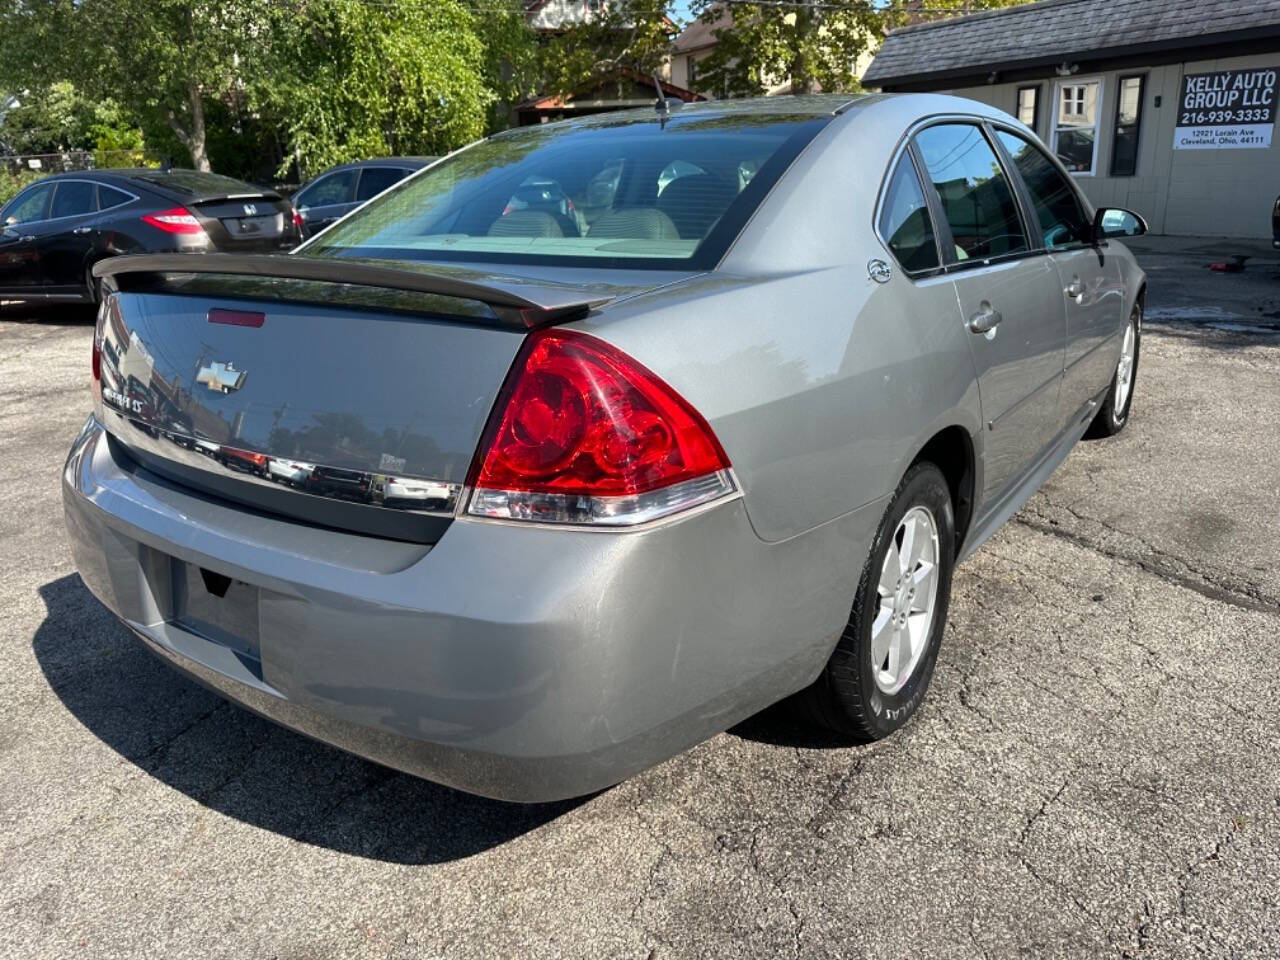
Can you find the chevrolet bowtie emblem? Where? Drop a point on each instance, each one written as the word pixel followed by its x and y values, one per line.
pixel 221 377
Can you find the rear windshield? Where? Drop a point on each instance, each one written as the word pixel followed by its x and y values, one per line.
pixel 197 185
pixel 634 193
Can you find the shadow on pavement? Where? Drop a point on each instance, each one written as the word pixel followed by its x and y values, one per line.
pixel 781 726
pixel 245 767
pixel 50 314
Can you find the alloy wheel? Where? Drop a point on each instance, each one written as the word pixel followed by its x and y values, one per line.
pixel 908 592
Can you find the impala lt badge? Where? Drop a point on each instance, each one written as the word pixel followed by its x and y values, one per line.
pixel 221 377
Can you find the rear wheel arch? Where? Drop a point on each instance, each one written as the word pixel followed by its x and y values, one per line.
pixel 951 450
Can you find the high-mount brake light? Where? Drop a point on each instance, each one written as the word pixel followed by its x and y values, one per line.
pixel 178 220
pixel 583 434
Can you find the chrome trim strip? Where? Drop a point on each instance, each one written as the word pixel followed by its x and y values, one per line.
pixel 403 494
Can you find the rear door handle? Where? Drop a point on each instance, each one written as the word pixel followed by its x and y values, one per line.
pixel 1075 288
pixel 81 231
pixel 985 320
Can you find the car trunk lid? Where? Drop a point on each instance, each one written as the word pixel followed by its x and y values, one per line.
pixel 299 386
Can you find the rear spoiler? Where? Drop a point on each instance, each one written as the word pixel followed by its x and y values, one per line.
pixel 514 301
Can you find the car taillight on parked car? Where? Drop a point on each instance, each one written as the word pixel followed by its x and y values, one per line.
pixel 299 220
pixel 177 220
pixel 584 434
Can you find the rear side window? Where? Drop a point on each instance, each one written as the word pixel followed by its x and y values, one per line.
pixel 337 187
pixel 373 180
pixel 976 196
pixel 109 197
pixel 74 198
pixel 904 220
pixel 1062 222
pixel 29 206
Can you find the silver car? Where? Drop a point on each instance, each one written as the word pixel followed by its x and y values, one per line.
pixel 715 438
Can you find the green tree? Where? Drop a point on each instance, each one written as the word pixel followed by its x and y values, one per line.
pixel 762 45
pixel 806 44
pixel 57 118
pixel 631 35
pixel 158 59
pixel 338 79
pixel 350 79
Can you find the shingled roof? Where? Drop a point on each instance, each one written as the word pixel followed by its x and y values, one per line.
pixel 1052 31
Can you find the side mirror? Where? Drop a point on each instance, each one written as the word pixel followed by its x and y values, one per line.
pixel 1117 222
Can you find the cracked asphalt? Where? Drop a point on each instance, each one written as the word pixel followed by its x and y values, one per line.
pixel 1094 774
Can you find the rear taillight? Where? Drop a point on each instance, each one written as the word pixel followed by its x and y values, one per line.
pixel 584 434
pixel 298 220
pixel 177 220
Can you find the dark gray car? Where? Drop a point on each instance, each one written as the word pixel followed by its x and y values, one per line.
pixel 55 230
pixel 598 437
pixel 336 192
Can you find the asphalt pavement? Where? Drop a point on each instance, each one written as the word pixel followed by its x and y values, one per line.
pixel 1095 772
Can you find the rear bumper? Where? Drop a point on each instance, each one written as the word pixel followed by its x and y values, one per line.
pixel 507 660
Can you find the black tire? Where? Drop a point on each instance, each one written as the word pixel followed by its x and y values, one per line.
pixel 845 697
pixel 1109 421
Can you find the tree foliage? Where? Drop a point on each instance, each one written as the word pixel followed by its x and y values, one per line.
pixel 625 35
pixel 350 79
pixel 340 79
pixel 766 45
pixel 159 59
pixel 897 13
pixel 58 118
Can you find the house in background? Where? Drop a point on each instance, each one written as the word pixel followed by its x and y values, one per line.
pixel 1166 107
pixel 618 89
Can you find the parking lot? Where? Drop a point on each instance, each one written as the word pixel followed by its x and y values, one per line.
pixel 1095 773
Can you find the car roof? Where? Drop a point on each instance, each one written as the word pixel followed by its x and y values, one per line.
pixel 803 105
pixel 180 182
pixel 412 163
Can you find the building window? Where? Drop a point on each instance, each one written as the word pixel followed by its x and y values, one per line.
pixel 1075 129
pixel 1029 106
pixel 691 81
pixel 1124 153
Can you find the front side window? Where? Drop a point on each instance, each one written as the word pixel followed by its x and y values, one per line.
pixel 29 206
pixel 1124 153
pixel 628 192
pixel 975 193
pixel 1061 218
pixel 904 220
pixel 337 187
pixel 73 198
pixel 1075 129
pixel 1029 106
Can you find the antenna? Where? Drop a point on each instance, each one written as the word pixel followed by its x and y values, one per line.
pixel 663 106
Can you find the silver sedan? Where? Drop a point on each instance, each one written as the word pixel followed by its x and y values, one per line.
pixel 616 431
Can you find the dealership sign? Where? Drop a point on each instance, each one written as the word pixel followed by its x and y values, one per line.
pixel 1227 110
